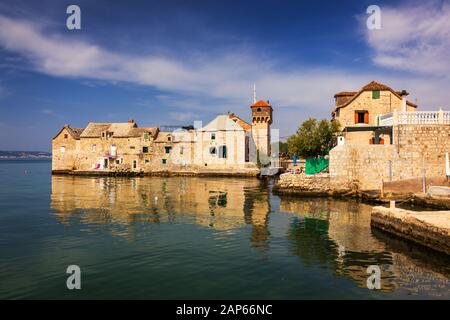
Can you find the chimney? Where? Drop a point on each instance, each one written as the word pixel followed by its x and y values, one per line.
pixel 130 120
pixel 404 93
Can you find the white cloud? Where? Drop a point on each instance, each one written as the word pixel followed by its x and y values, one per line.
pixel 182 116
pixel 223 83
pixel 413 38
pixel 229 76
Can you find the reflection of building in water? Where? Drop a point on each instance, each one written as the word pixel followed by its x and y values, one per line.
pixel 256 211
pixel 337 234
pixel 221 203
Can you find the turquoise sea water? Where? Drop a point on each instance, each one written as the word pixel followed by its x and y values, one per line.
pixel 189 238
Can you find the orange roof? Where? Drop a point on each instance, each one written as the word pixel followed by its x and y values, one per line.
pixel 246 126
pixel 261 103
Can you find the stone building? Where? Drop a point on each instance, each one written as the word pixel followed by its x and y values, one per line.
pixel 418 150
pixel 359 112
pixel 227 144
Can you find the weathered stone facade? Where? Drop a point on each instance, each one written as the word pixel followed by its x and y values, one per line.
pixel 358 112
pixel 222 146
pixel 417 149
pixel 304 182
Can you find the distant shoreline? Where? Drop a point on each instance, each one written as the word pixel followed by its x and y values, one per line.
pixel 24 155
pixel 25 159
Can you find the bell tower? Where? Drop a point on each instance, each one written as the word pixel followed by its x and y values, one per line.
pixel 261 121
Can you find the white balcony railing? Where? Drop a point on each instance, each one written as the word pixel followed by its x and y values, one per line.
pixel 417 117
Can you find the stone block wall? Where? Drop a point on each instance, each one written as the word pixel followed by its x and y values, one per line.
pixel 421 147
pixel 416 149
pixel 359 166
pixel 304 182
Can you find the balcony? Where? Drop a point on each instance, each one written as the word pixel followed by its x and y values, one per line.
pixel 417 117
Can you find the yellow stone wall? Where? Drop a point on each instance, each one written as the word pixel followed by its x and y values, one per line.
pixel 388 102
pixel 416 148
pixel 66 160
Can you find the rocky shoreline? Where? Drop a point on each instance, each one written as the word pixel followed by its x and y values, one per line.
pixel 302 185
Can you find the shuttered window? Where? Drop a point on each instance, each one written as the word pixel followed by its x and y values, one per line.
pixel 362 117
pixel 376 94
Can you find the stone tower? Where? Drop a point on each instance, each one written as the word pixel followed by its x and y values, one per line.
pixel 261 121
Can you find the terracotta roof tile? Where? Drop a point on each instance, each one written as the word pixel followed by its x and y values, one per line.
pixel 261 103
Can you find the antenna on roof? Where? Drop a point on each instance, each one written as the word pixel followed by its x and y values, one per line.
pixel 254 93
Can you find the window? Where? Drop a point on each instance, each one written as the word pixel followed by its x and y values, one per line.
pixel 169 138
pixel 213 136
pixel 62 149
pixel 113 150
pixel 376 94
pixel 361 117
pixel 223 152
pixel 147 161
pixel 134 164
pixel 66 136
pixel 259 109
pixel 103 134
pixel 212 150
pixel 94 147
pixel 164 161
pixel 181 150
pixel 167 149
pixel 146 136
pixel 144 149
pixel 117 161
pixel 132 147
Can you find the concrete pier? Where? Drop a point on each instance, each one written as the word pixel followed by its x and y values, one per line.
pixel 429 228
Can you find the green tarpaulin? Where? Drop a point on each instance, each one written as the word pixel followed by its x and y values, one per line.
pixel 315 165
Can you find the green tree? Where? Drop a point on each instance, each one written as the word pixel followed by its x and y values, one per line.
pixel 313 138
pixel 282 147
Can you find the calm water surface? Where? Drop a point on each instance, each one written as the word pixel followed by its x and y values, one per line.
pixel 209 238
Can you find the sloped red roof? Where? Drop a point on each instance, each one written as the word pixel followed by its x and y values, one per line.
pixel 261 103
pixel 245 125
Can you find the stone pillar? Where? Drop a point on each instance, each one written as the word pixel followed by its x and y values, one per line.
pixel 395 117
pixel 440 116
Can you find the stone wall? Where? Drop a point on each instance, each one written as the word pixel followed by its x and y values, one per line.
pixel 388 102
pixel 420 147
pixel 304 182
pixel 64 151
pixel 416 149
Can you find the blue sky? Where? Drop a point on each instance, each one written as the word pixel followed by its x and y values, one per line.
pixel 173 62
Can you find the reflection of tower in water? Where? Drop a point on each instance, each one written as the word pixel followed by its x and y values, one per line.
pixel 256 213
pixel 220 203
